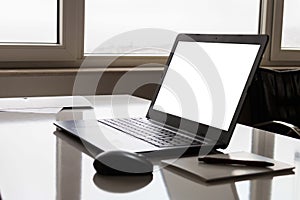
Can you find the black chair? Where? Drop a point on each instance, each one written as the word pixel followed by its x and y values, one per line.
pixel 277 101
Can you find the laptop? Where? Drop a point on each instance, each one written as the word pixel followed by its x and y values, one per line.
pixel 196 105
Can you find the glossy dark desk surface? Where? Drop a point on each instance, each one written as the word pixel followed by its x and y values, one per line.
pixel 35 164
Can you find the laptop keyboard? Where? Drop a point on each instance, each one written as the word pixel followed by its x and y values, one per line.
pixel 151 132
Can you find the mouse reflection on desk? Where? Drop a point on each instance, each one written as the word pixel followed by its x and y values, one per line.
pixel 121 184
pixel 121 163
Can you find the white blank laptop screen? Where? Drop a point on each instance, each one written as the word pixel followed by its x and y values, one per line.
pixel 205 81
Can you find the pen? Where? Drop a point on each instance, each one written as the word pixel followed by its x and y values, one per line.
pixel 228 161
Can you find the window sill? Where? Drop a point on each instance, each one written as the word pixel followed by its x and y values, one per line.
pixel 74 71
pixel 89 62
pixel 281 67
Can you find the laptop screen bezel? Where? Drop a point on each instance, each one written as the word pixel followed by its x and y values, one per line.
pixel 201 129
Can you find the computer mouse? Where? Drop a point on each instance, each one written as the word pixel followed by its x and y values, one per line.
pixel 122 163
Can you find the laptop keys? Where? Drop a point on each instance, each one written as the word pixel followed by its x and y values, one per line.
pixel 150 132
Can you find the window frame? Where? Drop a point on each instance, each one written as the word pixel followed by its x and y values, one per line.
pixel 69 30
pixel 271 24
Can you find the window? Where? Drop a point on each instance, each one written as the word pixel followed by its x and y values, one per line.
pixel 40 30
pixel 32 21
pixel 290 25
pixel 52 30
pixel 192 16
pixel 282 24
pixel 64 31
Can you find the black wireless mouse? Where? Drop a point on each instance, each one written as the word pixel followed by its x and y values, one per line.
pixel 122 163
